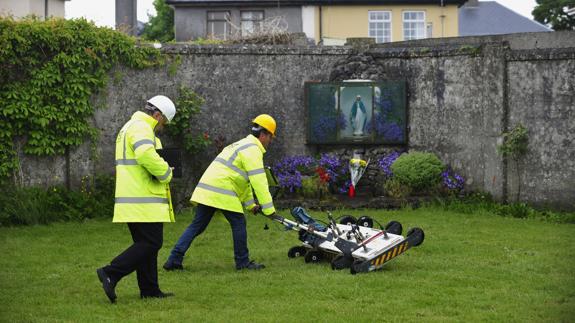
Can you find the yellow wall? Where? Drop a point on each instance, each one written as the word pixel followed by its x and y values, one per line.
pixel 353 21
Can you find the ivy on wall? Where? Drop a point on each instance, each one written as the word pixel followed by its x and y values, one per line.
pixel 188 105
pixel 49 71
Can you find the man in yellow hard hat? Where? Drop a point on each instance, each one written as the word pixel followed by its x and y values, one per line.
pixel 142 198
pixel 227 186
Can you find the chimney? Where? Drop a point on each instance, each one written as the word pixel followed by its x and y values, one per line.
pixel 472 3
pixel 126 16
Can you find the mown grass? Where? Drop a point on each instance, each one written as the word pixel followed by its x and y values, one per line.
pixel 471 267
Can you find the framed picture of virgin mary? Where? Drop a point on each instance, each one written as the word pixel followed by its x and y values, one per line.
pixel 356 111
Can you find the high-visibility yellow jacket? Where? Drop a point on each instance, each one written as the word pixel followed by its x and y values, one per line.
pixel 228 182
pixel 142 176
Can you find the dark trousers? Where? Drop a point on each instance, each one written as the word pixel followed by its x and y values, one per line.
pixel 141 256
pixel 203 217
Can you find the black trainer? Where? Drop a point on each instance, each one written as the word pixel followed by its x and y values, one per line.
pixel 252 265
pixel 107 284
pixel 159 295
pixel 169 266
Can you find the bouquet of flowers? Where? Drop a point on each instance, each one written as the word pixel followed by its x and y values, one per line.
pixel 357 167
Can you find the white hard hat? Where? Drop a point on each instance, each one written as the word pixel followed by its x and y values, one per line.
pixel 165 105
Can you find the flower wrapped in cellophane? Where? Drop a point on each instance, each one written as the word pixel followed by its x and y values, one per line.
pixel 357 167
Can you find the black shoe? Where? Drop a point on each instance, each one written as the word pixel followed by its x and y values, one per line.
pixel 107 284
pixel 169 266
pixel 252 266
pixel 159 295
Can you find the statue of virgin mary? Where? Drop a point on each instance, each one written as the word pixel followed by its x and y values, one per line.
pixel 358 117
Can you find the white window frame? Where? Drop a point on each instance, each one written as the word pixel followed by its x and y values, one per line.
pixel 226 21
pixel 373 33
pixel 418 33
pixel 256 24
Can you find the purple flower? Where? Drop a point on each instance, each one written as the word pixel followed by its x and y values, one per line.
pixel 289 170
pixel 452 180
pixel 332 165
pixel 386 162
pixel 345 188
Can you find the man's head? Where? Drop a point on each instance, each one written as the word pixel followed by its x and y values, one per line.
pixel 162 109
pixel 358 98
pixel 264 128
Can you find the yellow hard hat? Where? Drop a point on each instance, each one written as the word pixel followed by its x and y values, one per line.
pixel 266 122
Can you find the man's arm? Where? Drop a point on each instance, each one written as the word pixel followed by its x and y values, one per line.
pixel 142 141
pixel 252 159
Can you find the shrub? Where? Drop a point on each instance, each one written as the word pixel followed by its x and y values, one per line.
pixel 36 205
pixel 396 189
pixel 418 170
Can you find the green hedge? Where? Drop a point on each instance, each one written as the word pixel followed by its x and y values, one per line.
pixel 418 170
pixel 36 205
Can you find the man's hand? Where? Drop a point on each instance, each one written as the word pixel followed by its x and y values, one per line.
pixel 256 209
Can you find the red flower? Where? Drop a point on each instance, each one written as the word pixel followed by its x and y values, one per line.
pixel 323 175
pixel 206 136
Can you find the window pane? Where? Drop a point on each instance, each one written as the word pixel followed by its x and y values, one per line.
pixel 252 15
pixel 218 29
pixel 217 15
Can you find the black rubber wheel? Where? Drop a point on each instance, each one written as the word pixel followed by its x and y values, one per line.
pixel 365 221
pixel 348 220
pixel 354 268
pixel 415 236
pixel 297 251
pixel 394 227
pixel 313 256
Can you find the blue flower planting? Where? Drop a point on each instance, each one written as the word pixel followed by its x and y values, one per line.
pixel 452 180
pixel 289 170
pixel 386 161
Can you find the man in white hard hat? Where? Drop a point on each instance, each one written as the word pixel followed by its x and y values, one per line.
pixel 142 198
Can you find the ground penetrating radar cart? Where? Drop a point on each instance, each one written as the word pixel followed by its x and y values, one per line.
pixel 351 243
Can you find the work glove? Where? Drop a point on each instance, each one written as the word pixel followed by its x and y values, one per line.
pixel 257 209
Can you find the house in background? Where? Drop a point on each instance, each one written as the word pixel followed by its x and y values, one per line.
pixel 490 18
pixel 39 8
pixel 329 22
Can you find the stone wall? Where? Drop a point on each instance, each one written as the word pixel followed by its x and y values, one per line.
pixel 461 97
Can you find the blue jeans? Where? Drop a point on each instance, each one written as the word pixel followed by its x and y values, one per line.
pixel 203 217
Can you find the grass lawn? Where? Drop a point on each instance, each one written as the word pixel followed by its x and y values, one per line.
pixel 471 267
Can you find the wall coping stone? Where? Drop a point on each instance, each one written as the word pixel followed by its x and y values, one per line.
pixel 256 50
pixel 542 54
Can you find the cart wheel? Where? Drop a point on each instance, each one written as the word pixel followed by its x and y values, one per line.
pixel 394 227
pixel 296 251
pixel 313 256
pixel 365 221
pixel 348 220
pixel 415 236
pixel 354 268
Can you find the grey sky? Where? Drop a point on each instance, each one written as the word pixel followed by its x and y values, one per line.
pixel 102 12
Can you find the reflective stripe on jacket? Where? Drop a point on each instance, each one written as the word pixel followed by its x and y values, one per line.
pixel 142 176
pixel 228 182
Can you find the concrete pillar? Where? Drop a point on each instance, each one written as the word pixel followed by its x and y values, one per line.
pixel 126 16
